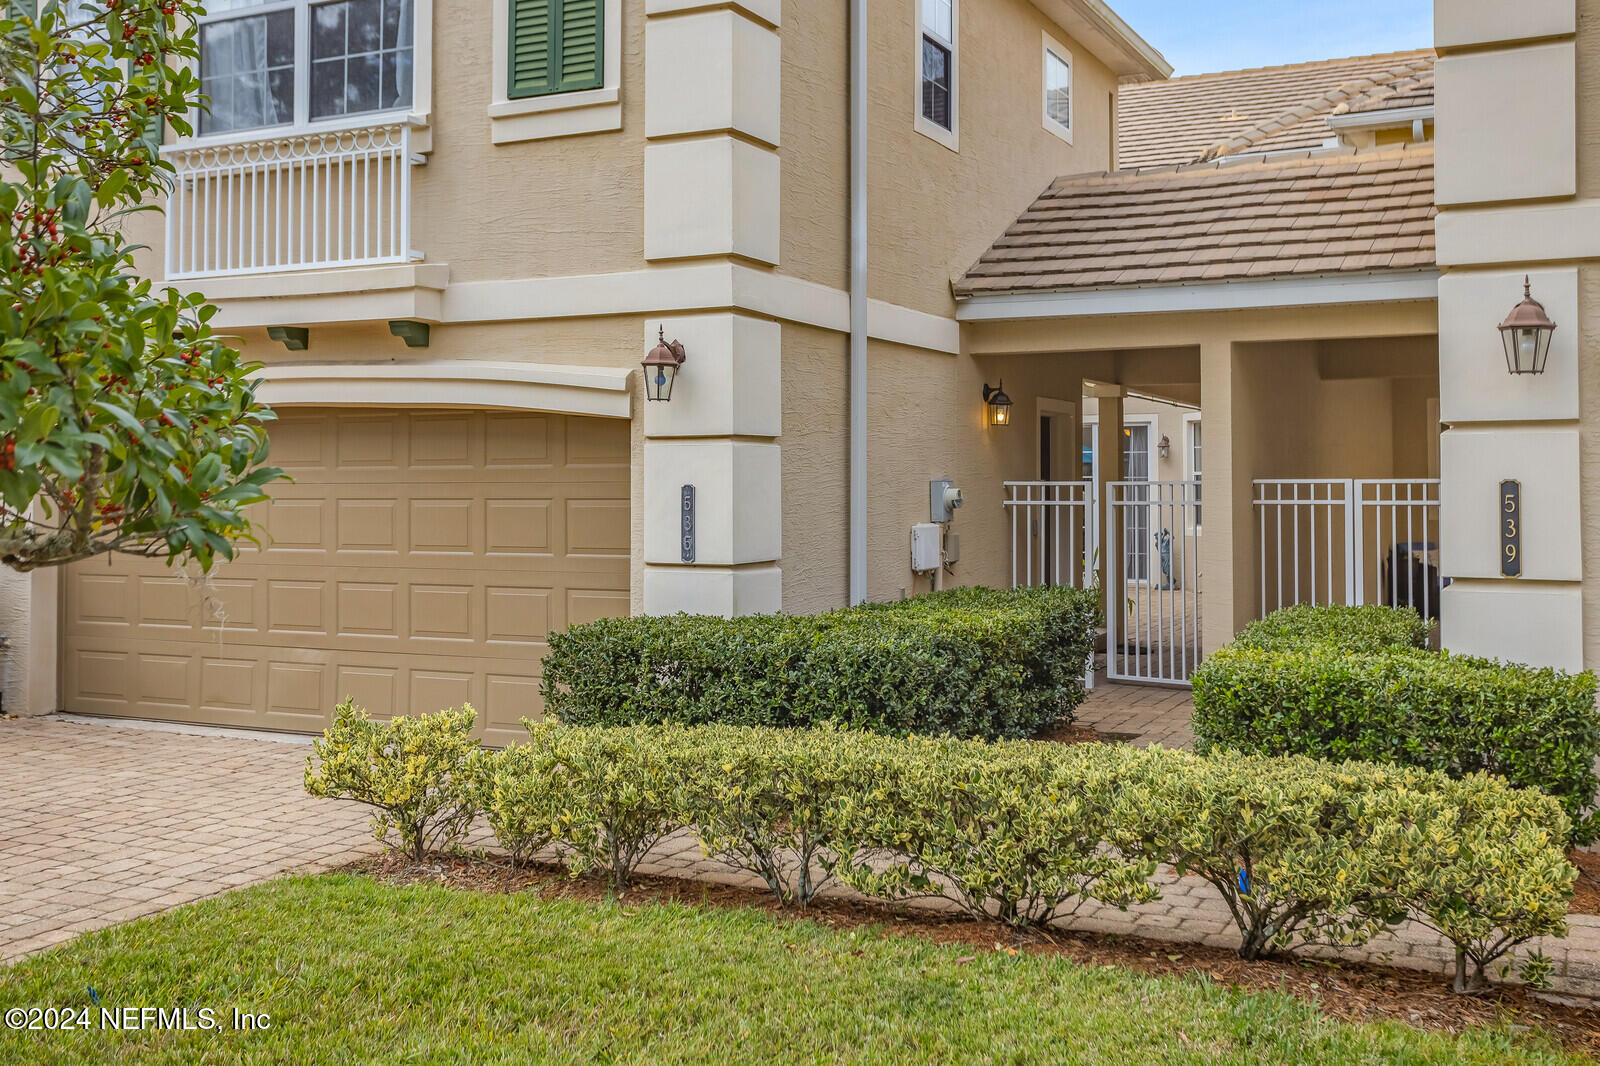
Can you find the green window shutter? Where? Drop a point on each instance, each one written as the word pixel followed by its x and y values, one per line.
pixel 580 63
pixel 557 46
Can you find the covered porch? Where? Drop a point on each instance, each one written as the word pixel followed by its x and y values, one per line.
pixel 1263 456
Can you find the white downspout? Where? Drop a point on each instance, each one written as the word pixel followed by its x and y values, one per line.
pixel 858 301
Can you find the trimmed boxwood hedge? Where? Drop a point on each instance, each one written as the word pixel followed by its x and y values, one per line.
pixel 1342 683
pixel 971 662
pixel 1022 832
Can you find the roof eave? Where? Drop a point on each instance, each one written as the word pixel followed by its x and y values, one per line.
pixel 1109 39
pixel 1393 286
pixel 1381 119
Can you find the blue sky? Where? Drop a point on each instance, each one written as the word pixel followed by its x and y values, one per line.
pixel 1200 36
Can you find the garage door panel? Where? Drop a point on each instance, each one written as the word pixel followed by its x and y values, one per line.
pixel 419 560
pixel 298 607
pixel 369 609
pixel 370 442
pixel 444 525
pixel 508 699
pixel 597 442
pixel 367 526
pixel 516 615
pixel 517 441
pixel 372 687
pixel 597 527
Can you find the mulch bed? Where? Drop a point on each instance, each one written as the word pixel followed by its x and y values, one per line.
pixel 1344 991
pixel 1586 894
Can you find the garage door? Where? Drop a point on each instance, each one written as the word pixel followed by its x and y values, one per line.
pixel 418 561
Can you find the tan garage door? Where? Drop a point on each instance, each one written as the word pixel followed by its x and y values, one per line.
pixel 418 561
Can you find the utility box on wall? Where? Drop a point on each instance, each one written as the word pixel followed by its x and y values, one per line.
pixel 927 545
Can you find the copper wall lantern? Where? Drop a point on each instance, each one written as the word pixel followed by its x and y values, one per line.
pixel 999 404
pixel 661 368
pixel 1526 334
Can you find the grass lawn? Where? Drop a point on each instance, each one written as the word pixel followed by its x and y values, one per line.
pixel 352 970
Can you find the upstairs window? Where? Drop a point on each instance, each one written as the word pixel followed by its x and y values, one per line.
pixel 1057 89
pixel 266 63
pixel 938 75
pixel 557 46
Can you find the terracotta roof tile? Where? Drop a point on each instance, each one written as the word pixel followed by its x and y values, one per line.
pixel 1272 109
pixel 1324 213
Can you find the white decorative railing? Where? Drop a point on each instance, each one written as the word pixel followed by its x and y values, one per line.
pixel 1349 541
pixel 303 201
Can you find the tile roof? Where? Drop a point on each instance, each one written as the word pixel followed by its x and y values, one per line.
pixel 1183 120
pixel 1412 90
pixel 1248 218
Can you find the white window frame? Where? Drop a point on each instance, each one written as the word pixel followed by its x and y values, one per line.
pixel 416 114
pixel 1190 421
pixel 1054 49
pixel 536 118
pixel 950 138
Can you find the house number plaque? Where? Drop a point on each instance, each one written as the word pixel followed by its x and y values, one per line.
pixel 688 523
pixel 1510 529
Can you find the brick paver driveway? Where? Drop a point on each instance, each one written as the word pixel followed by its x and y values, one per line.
pixel 106 823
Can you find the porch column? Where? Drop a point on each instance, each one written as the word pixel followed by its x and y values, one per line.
pixel 1530 436
pixel 1108 469
pixel 713 503
pixel 1227 549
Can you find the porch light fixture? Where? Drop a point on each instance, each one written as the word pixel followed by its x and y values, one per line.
pixel 999 404
pixel 1164 447
pixel 661 368
pixel 1526 334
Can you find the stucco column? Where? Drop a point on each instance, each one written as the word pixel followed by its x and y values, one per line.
pixel 1228 546
pixel 1109 469
pixel 713 494
pixel 1513 69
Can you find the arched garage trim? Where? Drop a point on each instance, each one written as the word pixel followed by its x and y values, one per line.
pixel 577 390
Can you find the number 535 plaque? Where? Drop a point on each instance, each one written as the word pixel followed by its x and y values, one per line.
pixel 1510 529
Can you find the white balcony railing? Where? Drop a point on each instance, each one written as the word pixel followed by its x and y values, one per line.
pixel 298 202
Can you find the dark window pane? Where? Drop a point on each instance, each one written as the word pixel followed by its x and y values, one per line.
pixel 396 80
pixel 327 88
pixel 361 84
pixel 327 30
pixel 936 83
pixel 392 10
pixel 365 24
pixel 280 39
pixel 283 93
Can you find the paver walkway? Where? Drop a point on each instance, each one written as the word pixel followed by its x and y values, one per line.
pixel 110 822
pixel 107 823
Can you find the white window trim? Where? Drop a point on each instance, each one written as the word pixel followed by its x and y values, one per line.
pixel 950 138
pixel 1191 420
pixel 417 115
pixel 538 118
pixel 1053 47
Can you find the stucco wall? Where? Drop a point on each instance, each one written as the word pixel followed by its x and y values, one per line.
pixel 816 464
pixel 933 212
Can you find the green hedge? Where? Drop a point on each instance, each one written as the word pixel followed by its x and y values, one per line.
pixel 1023 832
pixel 1351 629
pixel 969 662
pixel 1293 686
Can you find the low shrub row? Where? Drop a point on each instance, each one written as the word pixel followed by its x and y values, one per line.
pixel 969 662
pixel 1299 849
pixel 1354 630
pixel 1352 683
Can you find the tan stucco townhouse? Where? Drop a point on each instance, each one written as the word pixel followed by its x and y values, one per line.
pixel 452 235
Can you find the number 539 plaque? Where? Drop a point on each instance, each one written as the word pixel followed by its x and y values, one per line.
pixel 1510 529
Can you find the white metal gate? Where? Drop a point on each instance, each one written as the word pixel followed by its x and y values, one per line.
pixel 1055 533
pixel 1349 541
pixel 1153 588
